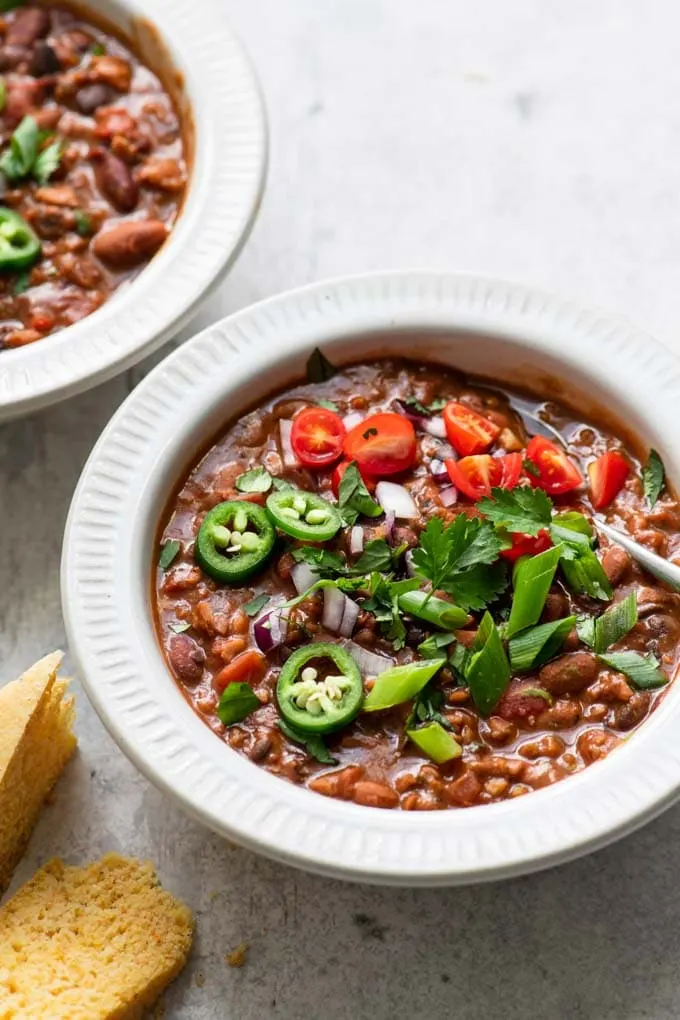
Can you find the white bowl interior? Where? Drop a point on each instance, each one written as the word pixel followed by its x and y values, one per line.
pixel 212 380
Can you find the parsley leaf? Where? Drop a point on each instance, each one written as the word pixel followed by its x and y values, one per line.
pixel 319 368
pixel 257 479
pixel 47 162
pixel 653 477
pixel 460 560
pixel 169 551
pixel 312 742
pixel 523 510
pixel 253 607
pixel 238 700
pixel 354 498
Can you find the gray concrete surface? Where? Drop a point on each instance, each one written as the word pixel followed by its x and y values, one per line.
pixel 535 140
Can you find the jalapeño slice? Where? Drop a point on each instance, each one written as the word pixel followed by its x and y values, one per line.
pixel 19 244
pixel 304 515
pixel 235 540
pixel 319 689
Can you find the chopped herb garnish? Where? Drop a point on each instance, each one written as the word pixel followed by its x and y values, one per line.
pixel 538 692
pixel 354 499
pixel 179 626
pixel 531 468
pixel 642 670
pixel 436 645
pixel 10 5
pixel 532 580
pixel 523 510
pixel 425 409
pixel 83 223
pixel 328 404
pixel 3 93
pixel 323 561
pixel 257 479
pixel 537 645
pixel 377 555
pixel 312 742
pixel 653 477
pixel 459 560
pixel 488 671
pixel 582 569
pixel 21 283
pixel 238 700
pixel 585 628
pixel 369 432
pixel 319 368
pixel 18 160
pixel 47 162
pixel 253 607
pixel 98 49
pixel 383 602
pixel 169 551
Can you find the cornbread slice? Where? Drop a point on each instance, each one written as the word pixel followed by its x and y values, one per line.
pixel 94 943
pixel 36 741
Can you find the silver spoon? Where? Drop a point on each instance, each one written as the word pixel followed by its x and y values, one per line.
pixel 663 569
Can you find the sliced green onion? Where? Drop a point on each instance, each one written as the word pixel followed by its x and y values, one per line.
pixel 458 660
pixel 642 670
pixel 488 671
pixel 532 580
pixel 535 646
pixel 585 575
pixel 615 623
pixel 401 683
pixel 436 742
pixel 436 645
pixel 436 611
pixel 572 527
pixel 585 628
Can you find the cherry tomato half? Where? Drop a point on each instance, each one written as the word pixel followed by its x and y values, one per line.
pixel 339 471
pixel 527 545
pixel 606 476
pixel 468 431
pixel 556 472
pixel 382 444
pixel 316 436
pixel 476 476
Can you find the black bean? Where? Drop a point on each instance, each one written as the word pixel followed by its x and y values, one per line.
pixel 43 60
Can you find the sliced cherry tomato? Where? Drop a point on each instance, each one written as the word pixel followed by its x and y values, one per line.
pixel 316 436
pixel 475 476
pixel 468 431
pixel 606 476
pixel 556 472
pixel 382 444
pixel 527 545
pixel 511 469
pixel 248 667
pixel 339 471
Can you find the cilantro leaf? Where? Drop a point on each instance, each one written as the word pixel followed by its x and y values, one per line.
pixel 47 162
pixel 530 468
pixel 377 555
pixel 384 604
pixel 83 223
pixel 354 498
pixel 169 551
pixel 461 560
pixel 21 283
pixel 425 409
pixel 257 479
pixel 312 742
pixel 323 561
pixel 653 477
pixel 475 588
pixel 426 708
pixel 319 368
pixel 238 700
pixel 523 510
pixel 18 160
pixel 253 607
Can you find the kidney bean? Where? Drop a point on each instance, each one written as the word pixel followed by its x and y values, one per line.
pixel 43 60
pixel 27 26
pixel 337 784
pixel 595 744
pixel 374 794
pixel 115 180
pixel 464 790
pixel 615 563
pixel 90 97
pixel 186 658
pixel 495 765
pixel 560 716
pixel 632 712
pixel 497 786
pixel 128 244
pixel 500 731
pixel 420 801
pixel 569 673
pixel 113 71
pixel 516 704
pixel 547 746
pixel 23 96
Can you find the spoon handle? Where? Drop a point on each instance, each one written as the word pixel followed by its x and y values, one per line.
pixel 656 565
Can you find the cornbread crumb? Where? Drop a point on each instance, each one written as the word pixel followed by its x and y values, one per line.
pixel 36 741
pixel 238 957
pixel 94 943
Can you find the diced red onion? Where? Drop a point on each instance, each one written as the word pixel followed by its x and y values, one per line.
pixel 397 499
pixel 303 577
pixel 370 663
pixel 418 419
pixel 349 617
pixel 449 495
pixel 352 419
pixel 287 451
pixel 436 427
pixel 438 471
pixel 333 609
pixel 270 630
pixel 356 540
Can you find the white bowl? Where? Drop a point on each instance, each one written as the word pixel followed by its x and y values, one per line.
pixel 507 332
pixel 222 95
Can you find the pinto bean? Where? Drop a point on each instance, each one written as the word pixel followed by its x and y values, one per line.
pixel 90 97
pixel 615 563
pixel 186 658
pixel 463 791
pixel 500 731
pixel 495 765
pixel 27 26
pixel 163 174
pixel 337 784
pixel 547 746
pixel 632 712
pixel 115 180
pixel 569 673
pixel 560 716
pixel 128 244
pixel 374 794
pixel 61 194
pixel 543 773
pixel 596 744
pixel 113 71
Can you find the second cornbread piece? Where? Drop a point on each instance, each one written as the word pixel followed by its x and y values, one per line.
pixel 36 741
pixel 94 943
